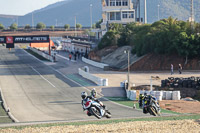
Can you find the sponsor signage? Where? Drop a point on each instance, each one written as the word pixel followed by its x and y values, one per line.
pixel 31 39
pixel 24 39
pixel 2 39
pixel 9 39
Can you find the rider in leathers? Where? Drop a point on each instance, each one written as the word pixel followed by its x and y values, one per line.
pixel 145 99
pixel 85 97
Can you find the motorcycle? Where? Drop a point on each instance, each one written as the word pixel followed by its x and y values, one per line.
pixel 151 107
pixel 94 108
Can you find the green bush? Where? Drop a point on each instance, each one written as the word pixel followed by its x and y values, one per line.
pixel 109 39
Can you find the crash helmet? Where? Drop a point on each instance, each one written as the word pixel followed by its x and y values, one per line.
pixel 149 97
pixel 84 95
pixel 141 95
pixel 93 89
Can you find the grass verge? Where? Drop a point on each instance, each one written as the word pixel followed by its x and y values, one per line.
pixel 129 103
pixel 4 118
pixel 36 55
pixel 101 122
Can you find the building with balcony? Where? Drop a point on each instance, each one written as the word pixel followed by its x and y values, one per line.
pixel 117 11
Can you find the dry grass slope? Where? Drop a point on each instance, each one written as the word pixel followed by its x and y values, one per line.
pixel 178 126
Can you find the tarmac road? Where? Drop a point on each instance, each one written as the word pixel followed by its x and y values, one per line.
pixel 35 91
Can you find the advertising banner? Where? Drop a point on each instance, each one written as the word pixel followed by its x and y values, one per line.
pixel 31 39
pixel 9 39
pixel 2 39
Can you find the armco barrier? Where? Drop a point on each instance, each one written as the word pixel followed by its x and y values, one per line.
pixel 93 63
pixel 97 80
pixel 46 56
pixel 160 95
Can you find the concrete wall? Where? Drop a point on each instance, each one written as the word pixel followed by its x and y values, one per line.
pixel 93 63
pixel 97 80
pixel 48 57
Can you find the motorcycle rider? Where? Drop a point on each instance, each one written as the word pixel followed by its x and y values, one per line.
pixel 145 100
pixel 94 93
pixel 154 99
pixel 85 97
pixel 142 99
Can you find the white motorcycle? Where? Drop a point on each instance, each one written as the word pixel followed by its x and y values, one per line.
pixel 94 108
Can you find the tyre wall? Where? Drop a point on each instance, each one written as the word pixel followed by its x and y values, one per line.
pixel 160 95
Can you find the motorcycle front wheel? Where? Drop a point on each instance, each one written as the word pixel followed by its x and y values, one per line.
pixel 95 112
pixel 153 110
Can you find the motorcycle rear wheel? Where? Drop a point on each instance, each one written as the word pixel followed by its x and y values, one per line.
pixel 108 114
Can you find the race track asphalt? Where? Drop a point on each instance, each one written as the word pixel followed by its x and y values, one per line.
pixel 35 91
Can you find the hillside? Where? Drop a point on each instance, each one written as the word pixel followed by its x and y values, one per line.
pixel 64 12
pixel 61 13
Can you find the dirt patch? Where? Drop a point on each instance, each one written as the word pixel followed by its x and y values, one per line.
pixel 163 62
pixel 178 126
pixel 96 55
pixel 181 106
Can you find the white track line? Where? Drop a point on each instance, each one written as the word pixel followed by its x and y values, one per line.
pixel 43 77
pixel 77 82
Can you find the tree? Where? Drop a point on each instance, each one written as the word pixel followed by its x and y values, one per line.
pixel 109 39
pixel 98 24
pixel 52 27
pixel 94 26
pixel 1 26
pixel 13 26
pixel 27 27
pixel 67 26
pixel 79 26
pixel 88 32
pixel 40 26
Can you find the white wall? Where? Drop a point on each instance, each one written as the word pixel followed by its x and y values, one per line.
pixel 48 57
pixel 93 63
pixel 160 95
pixel 97 80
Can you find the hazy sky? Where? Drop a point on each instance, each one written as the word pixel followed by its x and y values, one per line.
pixel 22 7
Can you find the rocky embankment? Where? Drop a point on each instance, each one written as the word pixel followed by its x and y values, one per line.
pixel 116 58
